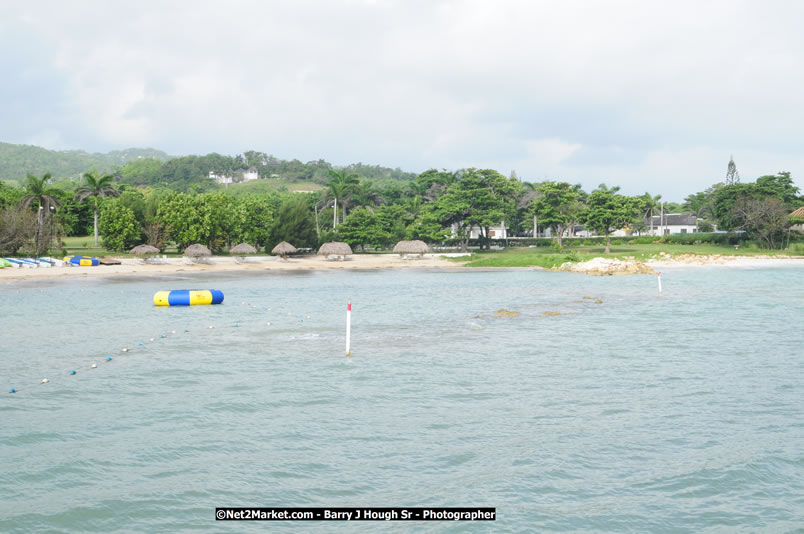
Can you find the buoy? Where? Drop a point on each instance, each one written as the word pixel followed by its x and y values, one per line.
pixel 659 278
pixel 125 349
pixel 44 381
pixel 268 323
pixel 188 297
pixel 94 365
pixel 161 335
pixel 108 358
pixel 186 330
pixel 211 326
pixel 308 316
pixel 72 372
pixel 12 390
pixel 151 339
pixel 139 344
pixel 172 331
pixel 236 324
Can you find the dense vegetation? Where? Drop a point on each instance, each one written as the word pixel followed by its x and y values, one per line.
pixel 20 160
pixel 175 204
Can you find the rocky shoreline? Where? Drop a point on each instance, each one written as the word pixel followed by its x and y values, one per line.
pixel 628 265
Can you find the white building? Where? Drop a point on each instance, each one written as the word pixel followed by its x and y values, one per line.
pixel 673 223
pixel 221 178
pixel 250 174
pixel 495 232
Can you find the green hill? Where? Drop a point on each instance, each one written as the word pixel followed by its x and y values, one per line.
pixel 16 161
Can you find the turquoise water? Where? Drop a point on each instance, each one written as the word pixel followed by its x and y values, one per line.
pixel 675 413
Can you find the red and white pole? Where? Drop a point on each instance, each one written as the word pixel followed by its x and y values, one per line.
pixel 659 278
pixel 348 328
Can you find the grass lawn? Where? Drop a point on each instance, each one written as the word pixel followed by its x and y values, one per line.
pixel 85 246
pixel 547 257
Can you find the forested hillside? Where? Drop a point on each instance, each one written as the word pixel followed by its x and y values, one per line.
pixel 149 167
pixel 16 161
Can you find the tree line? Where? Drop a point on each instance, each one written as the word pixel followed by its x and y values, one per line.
pixel 437 206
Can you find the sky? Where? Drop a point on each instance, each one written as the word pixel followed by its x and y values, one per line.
pixel 648 95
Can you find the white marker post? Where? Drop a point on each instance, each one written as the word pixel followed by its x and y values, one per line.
pixel 659 278
pixel 348 328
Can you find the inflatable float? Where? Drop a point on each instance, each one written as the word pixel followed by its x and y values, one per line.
pixel 188 297
pixel 81 260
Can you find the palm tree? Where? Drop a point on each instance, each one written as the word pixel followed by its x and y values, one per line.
pixel 37 189
pixel 96 187
pixel 364 195
pixel 649 203
pixel 341 185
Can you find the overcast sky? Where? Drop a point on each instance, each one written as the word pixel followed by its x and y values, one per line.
pixel 652 96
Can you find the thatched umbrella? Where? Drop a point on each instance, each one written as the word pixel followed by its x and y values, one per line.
pixel 141 250
pixel 197 250
pixel 335 248
pixel 411 247
pixel 283 249
pixel 242 248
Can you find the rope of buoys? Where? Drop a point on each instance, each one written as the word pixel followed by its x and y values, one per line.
pixel 74 372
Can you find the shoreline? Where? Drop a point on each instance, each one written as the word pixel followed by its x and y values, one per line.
pixel 131 266
pixel 358 262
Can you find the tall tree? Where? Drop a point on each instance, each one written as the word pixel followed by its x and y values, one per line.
pixel 365 195
pixel 293 224
pixel 38 190
pixel 608 211
pixel 481 198
pixel 649 203
pixel 341 184
pixel 96 187
pixel 557 206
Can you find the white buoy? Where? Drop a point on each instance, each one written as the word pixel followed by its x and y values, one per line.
pixel 125 350
pixel 348 328
pixel 94 365
pixel 45 381
pixel 659 278
pixel 151 339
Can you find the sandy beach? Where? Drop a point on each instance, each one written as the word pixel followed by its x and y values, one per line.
pixel 132 266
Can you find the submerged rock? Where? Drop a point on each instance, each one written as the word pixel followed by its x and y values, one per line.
pixel 505 313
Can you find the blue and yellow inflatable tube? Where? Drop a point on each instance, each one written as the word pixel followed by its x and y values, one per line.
pixel 188 297
pixel 81 260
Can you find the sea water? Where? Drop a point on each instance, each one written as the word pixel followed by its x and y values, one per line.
pixel 603 406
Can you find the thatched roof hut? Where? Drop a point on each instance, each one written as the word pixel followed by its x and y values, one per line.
pixel 197 250
pixel 243 248
pixel 411 247
pixel 798 214
pixel 283 249
pixel 335 248
pixel 144 249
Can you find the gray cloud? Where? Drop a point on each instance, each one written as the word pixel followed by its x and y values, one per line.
pixel 650 96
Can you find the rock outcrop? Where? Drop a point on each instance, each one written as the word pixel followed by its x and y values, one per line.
pixel 606 267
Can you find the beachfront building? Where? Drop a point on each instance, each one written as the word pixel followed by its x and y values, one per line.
pixel 674 223
pixel 495 232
